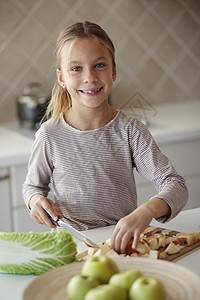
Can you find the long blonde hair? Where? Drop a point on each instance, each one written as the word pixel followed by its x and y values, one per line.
pixel 61 100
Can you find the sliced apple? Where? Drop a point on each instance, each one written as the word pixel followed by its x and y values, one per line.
pixel 188 239
pixel 153 254
pixel 162 254
pixel 153 243
pixel 172 248
pixel 108 242
pixel 162 240
pixel 92 251
pixel 112 253
pixel 141 248
pixel 103 250
pixel 170 239
pixel 149 229
pixel 146 246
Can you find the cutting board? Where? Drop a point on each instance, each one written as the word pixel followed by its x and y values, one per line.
pixel 169 233
pixel 185 249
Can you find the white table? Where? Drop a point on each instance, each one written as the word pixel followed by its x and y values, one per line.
pixel 13 286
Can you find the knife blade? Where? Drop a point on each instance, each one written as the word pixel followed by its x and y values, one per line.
pixel 75 233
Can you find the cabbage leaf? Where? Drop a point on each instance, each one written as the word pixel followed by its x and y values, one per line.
pixel 35 252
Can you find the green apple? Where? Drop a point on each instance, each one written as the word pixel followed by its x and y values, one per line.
pixel 125 279
pixel 100 267
pixel 79 285
pixel 147 288
pixel 106 292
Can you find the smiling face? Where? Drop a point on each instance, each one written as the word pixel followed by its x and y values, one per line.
pixel 86 72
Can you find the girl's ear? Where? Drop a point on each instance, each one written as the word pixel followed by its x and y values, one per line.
pixel 60 79
pixel 114 75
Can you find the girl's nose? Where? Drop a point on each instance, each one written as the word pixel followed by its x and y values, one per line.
pixel 90 76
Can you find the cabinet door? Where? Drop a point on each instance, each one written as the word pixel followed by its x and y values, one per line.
pixel 18 174
pixel 5 210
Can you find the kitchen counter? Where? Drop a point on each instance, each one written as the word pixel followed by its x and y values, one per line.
pixel 176 122
pixel 13 286
pixel 15 148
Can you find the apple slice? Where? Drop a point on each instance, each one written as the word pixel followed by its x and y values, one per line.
pixel 170 239
pixel 188 239
pixel 92 251
pixel 103 250
pixel 153 254
pixel 172 249
pixel 162 240
pixel 108 242
pixel 162 255
pixel 112 253
pixel 153 243
pixel 141 248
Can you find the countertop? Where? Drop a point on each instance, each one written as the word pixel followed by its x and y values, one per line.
pixel 174 121
pixel 13 286
pixel 15 148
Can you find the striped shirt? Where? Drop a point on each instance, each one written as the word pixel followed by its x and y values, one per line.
pixel 91 172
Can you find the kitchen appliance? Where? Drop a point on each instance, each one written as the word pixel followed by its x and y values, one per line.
pixel 32 104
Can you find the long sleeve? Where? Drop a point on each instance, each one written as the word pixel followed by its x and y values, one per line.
pixel 39 168
pixel 156 167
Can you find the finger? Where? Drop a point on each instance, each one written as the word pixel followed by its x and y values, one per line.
pixel 51 208
pixel 113 238
pixel 57 211
pixel 36 218
pixel 135 239
pixel 124 242
pixel 117 246
pixel 47 219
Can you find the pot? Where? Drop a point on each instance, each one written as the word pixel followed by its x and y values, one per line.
pixel 32 104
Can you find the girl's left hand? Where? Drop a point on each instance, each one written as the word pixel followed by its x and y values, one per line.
pixel 130 227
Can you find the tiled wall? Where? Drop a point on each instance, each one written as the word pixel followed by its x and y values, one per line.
pixel 157 46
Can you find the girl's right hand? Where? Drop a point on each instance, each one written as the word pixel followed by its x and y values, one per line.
pixel 40 207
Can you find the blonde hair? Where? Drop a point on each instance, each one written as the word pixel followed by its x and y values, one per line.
pixel 61 100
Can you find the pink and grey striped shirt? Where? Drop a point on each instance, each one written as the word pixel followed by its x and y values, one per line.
pixel 92 172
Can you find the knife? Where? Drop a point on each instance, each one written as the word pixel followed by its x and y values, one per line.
pixel 75 233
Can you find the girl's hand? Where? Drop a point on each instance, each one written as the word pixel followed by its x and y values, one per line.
pixel 131 226
pixel 40 208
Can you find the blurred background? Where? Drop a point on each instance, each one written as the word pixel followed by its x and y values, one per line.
pixel 158 80
pixel 157 46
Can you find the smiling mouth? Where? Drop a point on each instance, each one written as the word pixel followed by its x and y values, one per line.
pixel 89 92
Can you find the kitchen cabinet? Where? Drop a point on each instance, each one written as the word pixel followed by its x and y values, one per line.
pixel 5 211
pixel 14 154
pixel 14 216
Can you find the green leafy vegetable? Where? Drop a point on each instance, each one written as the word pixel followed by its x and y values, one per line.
pixel 35 252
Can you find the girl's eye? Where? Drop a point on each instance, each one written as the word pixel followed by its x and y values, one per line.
pixel 76 69
pixel 99 65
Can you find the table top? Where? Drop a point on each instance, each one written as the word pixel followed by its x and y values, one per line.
pixel 13 286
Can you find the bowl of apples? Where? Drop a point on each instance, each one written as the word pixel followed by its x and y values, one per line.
pixel 124 278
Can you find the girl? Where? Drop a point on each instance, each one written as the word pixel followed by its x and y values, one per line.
pixel 88 150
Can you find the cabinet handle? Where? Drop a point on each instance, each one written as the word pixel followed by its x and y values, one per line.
pixel 4 177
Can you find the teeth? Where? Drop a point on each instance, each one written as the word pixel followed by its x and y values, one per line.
pixel 92 92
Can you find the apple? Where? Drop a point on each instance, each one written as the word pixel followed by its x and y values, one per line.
pixel 79 285
pixel 172 248
pixel 100 267
pixel 106 292
pixel 147 288
pixel 125 279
